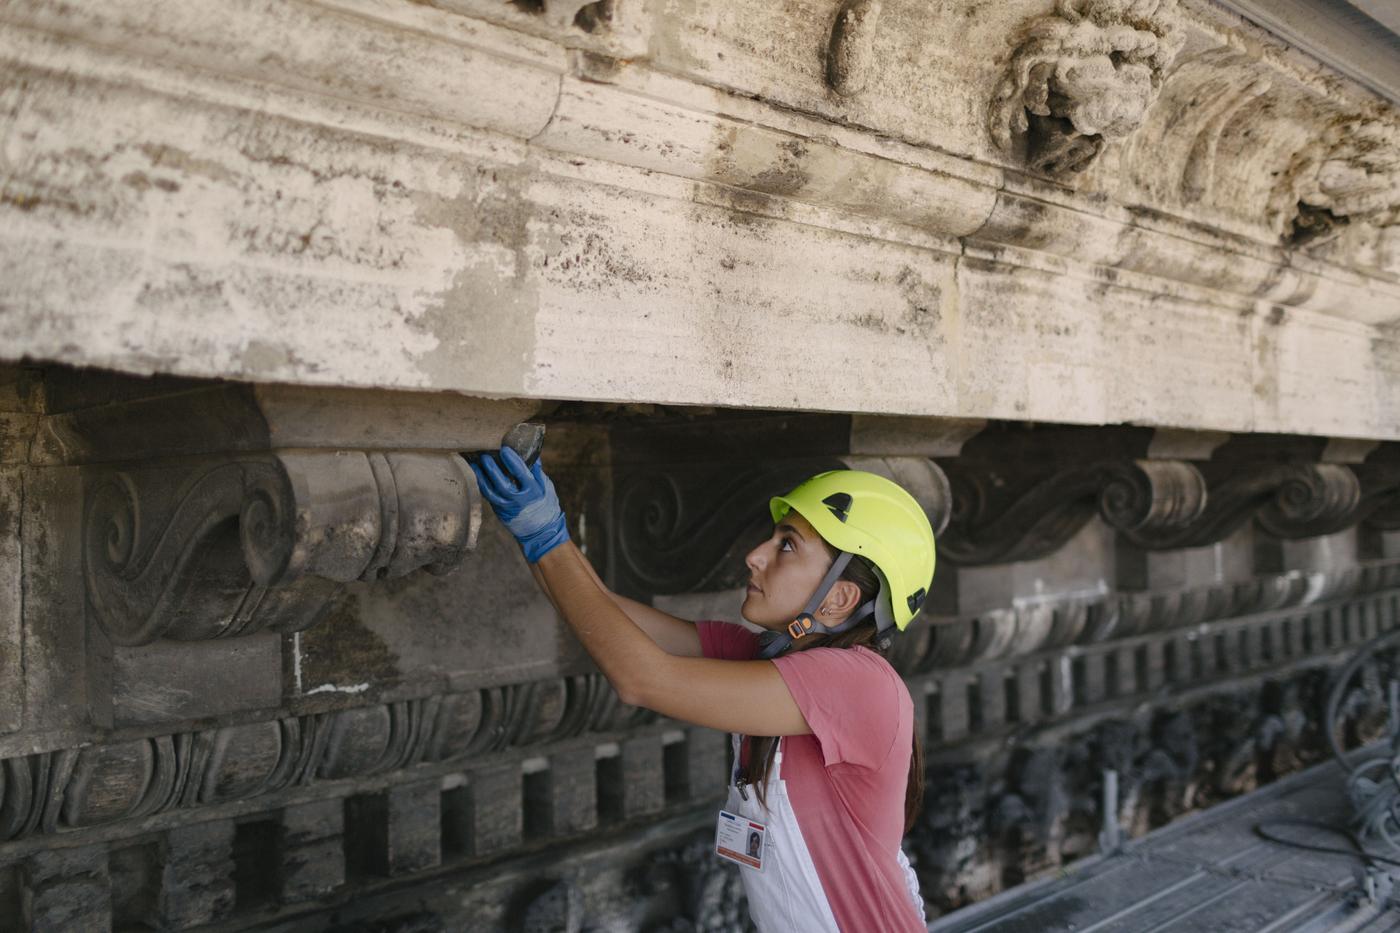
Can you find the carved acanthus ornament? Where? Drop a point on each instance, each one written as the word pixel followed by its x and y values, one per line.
pixel 1081 76
pixel 1349 175
pixel 263 542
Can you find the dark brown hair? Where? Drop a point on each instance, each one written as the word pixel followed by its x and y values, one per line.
pixel 761 747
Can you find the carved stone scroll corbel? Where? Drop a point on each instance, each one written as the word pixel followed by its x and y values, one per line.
pixel 263 542
pixel 999 519
pixel 1290 500
pixel 1349 174
pixel 1081 76
pixel 1313 499
pixel 1152 495
pixel 350 516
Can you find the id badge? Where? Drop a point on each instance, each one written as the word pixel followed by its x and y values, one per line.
pixel 740 839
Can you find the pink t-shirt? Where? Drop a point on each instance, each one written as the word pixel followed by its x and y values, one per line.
pixel 847 779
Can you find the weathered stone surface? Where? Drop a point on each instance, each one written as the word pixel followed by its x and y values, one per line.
pixel 11 600
pixel 641 788
pixel 399 831
pixel 67 889
pixel 198 883
pixel 312 849
pixel 54 637
pixel 490 819
pixel 171 681
pixel 570 801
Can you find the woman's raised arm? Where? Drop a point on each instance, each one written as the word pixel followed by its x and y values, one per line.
pixel 735 696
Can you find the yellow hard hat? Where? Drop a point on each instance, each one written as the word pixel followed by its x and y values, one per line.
pixel 870 516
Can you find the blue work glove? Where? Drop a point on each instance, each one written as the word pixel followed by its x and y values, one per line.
pixel 524 500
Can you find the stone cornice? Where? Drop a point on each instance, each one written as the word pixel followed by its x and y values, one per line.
pixel 564 171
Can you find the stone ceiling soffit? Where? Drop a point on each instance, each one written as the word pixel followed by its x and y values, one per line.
pixel 123 418
pixel 309 416
pixel 904 436
pixel 1176 444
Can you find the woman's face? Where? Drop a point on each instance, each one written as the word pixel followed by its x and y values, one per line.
pixel 784 572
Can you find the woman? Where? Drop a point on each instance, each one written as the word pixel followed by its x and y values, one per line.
pixel 830 774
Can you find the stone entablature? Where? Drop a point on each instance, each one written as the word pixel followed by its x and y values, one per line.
pixel 627 201
pixel 260 651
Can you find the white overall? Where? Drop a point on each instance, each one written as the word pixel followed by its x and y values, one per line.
pixel 787 895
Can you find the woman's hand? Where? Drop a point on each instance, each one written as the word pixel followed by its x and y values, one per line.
pixel 524 501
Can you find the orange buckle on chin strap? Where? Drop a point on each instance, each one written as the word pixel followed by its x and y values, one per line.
pixel 802 625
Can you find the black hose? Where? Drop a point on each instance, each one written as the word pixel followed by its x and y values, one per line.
pixel 1357 850
pixel 1334 696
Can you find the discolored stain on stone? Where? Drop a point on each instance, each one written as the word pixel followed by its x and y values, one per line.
pixel 341 651
pixel 178 160
pixel 491 221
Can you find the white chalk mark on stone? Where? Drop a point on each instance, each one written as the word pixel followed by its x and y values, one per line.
pixel 333 688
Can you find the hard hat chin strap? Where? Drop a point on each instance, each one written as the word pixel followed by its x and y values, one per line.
pixel 772 644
